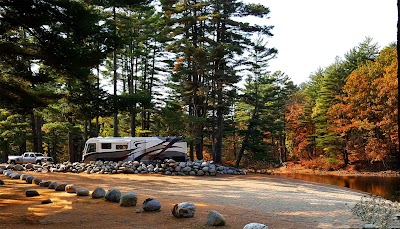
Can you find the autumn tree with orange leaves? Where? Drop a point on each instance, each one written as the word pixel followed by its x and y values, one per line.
pixel 366 117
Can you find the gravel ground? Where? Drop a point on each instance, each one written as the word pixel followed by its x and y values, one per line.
pixel 273 200
pixel 305 204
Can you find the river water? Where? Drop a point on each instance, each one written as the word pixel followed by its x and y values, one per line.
pixel 387 187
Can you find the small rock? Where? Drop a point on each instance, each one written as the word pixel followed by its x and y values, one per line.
pixel 184 210
pixel 214 218
pixel 31 193
pixel 113 195
pixel 255 226
pixel 151 204
pixel 82 192
pixel 128 199
pixel 48 201
pixel 98 193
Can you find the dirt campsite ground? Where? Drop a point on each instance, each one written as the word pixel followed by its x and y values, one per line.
pixel 272 200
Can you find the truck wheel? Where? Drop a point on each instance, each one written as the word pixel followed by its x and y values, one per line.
pixel 39 162
pixel 12 162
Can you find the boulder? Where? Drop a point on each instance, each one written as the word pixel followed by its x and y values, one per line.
pixel 70 188
pixel 24 176
pixel 128 199
pixel 31 193
pixel 15 176
pixel 36 181
pixel 53 185
pixel 29 166
pixel 19 167
pixel 82 192
pixel 113 195
pixel 214 218
pixel 184 210
pixel 29 179
pixel 151 204
pixel 255 226
pixel 44 183
pixel 98 193
pixel 60 187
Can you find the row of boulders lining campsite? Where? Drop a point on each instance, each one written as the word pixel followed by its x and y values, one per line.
pixel 180 210
pixel 167 167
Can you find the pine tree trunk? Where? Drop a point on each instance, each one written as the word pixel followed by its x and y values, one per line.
pixel 34 133
pixel 115 81
pixel 71 147
pixel 22 146
pixel 133 122
pixel 39 123
pixel 220 124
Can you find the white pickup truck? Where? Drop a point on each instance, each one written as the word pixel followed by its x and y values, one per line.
pixel 29 157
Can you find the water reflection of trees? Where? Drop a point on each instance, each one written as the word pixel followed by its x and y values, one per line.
pixel 387 187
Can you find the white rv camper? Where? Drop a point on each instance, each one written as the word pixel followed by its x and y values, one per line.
pixel 134 149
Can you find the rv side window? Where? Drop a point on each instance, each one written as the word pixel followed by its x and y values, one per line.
pixel 106 145
pixel 121 146
pixel 91 147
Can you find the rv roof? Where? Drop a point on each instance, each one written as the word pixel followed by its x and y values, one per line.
pixel 122 139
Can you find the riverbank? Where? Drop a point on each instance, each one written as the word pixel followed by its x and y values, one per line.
pixel 291 168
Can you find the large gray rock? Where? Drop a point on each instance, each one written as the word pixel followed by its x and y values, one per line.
pixel 24 176
pixel 31 193
pixel 184 210
pixel 19 167
pixel 82 192
pixel 98 193
pixel 70 188
pixel 36 181
pixel 53 185
pixel 214 218
pixel 255 226
pixel 113 195
pixel 29 179
pixel 15 176
pixel 7 173
pixel 128 199
pixel 60 187
pixel 29 166
pixel 45 183
pixel 151 204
